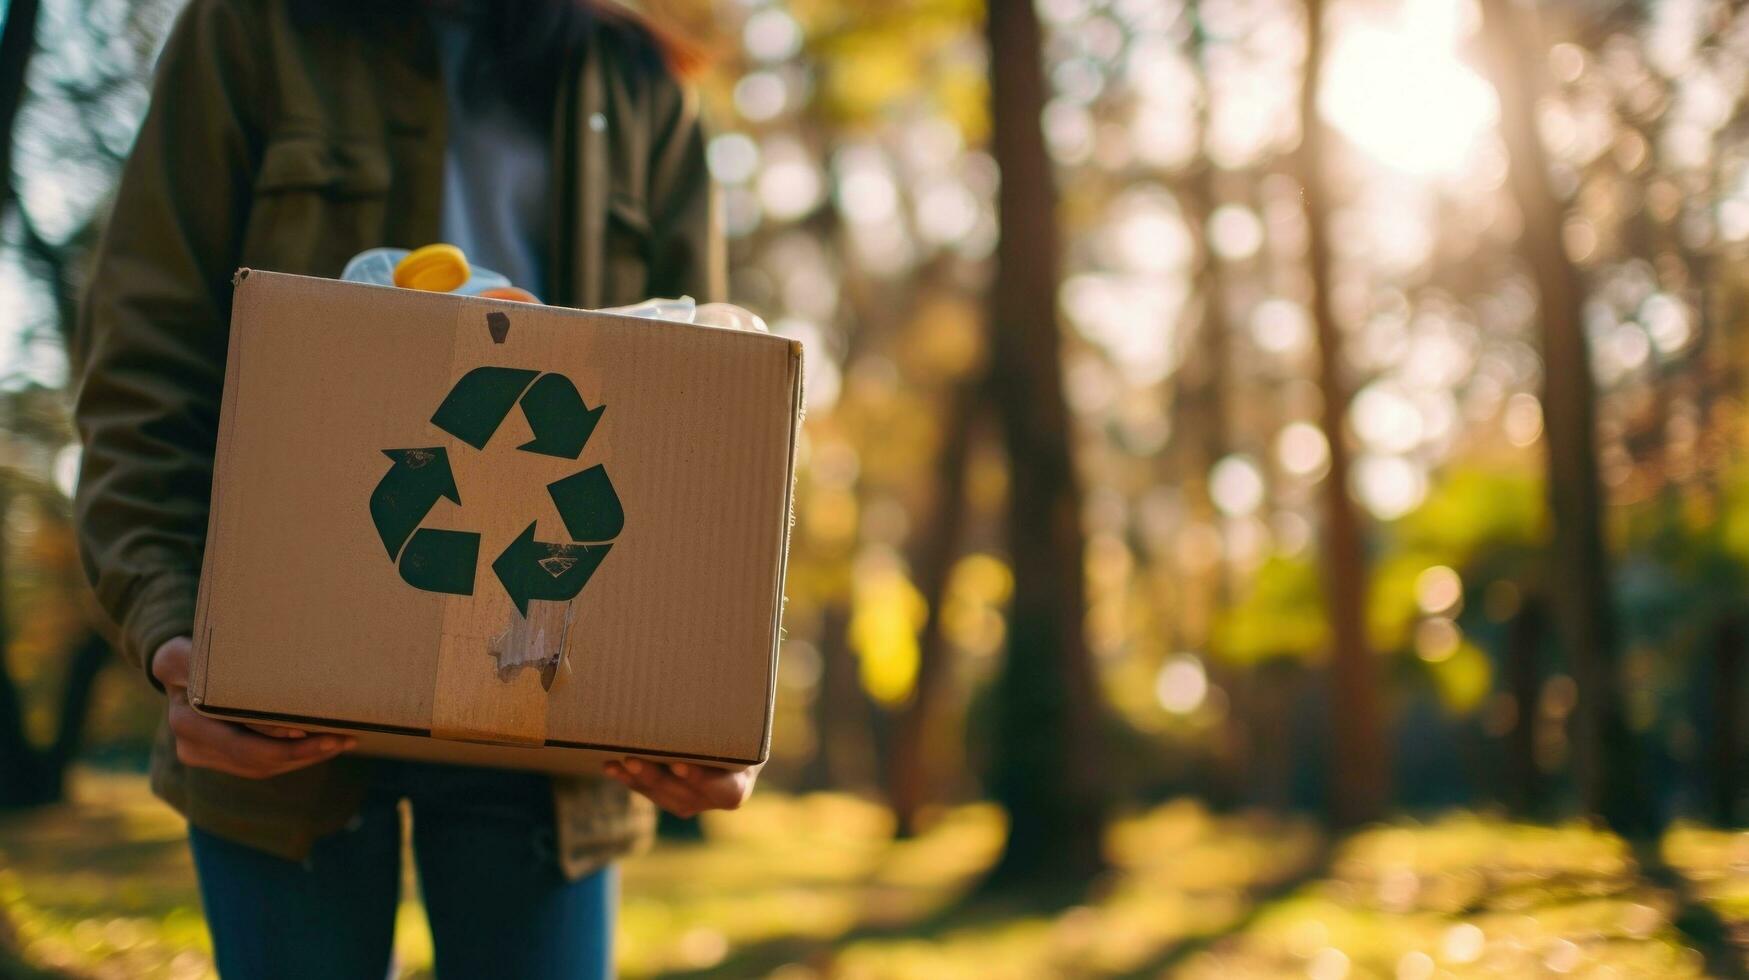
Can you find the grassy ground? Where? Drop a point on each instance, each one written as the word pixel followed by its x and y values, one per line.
pixel 810 887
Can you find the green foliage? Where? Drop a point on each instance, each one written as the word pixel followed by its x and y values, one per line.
pixel 1473 514
pixel 1481 520
pixel 875 57
pixel 1483 524
pixel 1282 615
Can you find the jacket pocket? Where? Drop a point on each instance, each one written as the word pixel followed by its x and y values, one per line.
pixel 317 202
pixel 626 251
pixel 305 163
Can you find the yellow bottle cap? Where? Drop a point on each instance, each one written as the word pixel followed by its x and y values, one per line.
pixel 436 268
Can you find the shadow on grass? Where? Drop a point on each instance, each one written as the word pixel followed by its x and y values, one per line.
pixel 1698 921
pixel 12 966
pixel 973 909
pixel 1259 900
pixel 109 855
pixel 68 859
pixel 976 908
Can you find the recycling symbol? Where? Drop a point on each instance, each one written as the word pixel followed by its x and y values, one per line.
pixel 438 560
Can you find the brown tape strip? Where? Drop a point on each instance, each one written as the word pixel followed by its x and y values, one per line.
pixel 490 657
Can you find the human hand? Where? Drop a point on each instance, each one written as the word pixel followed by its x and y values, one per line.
pixel 683 788
pixel 250 751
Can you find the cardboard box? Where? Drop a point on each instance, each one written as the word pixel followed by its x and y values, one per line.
pixel 496 533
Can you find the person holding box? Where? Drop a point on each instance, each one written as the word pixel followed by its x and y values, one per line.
pixel 551 140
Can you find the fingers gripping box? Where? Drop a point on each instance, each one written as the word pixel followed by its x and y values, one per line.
pixel 496 533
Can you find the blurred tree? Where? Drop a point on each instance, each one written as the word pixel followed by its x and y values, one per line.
pixel 1200 426
pixel 1359 770
pixel 28 775
pixel 1524 637
pixel 845 719
pixel 32 775
pixel 17 44
pixel 1045 762
pixel 85 94
pixel 911 778
pixel 72 88
pixel 1726 708
pixel 1578 574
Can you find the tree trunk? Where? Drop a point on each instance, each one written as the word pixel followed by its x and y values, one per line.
pixel 911 778
pixel 1727 713
pixel 24 776
pixel 1359 776
pixel 1201 433
pixel 1045 762
pixel 1579 592
pixel 30 776
pixel 1200 437
pixel 1524 675
pixel 844 718
pixel 1202 379
pixel 17 44
pixel 21 775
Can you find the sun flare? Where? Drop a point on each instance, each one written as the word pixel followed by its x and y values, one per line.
pixel 1396 89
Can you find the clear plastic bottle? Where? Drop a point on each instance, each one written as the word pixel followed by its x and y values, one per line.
pixel 686 310
pixel 374 265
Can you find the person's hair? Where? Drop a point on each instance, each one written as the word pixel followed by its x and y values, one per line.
pixel 518 48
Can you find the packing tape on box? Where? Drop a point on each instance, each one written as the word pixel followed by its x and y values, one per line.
pixel 500 655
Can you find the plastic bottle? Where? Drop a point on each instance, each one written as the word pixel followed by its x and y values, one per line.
pixel 730 317
pixel 686 310
pixel 374 265
pixel 443 268
pixel 377 266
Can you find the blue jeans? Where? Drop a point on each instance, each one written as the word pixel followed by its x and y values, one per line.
pixel 483 841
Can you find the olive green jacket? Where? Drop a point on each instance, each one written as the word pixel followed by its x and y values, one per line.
pixel 276 144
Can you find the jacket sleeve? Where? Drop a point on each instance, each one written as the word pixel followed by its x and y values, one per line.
pixel 149 345
pixel 688 256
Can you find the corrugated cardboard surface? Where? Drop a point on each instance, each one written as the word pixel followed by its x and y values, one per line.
pixel 669 649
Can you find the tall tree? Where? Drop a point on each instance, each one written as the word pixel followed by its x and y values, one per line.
pixel 1045 761
pixel 1523 790
pixel 17 44
pixel 1359 776
pixel 1200 433
pixel 1201 428
pixel 1578 593
pixel 87 95
pixel 25 774
pixel 31 775
pixel 911 773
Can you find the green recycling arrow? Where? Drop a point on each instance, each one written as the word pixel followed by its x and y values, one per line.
pixel 408 492
pixel 477 405
pixel 560 421
pixel 531 569
pixel 441 561
pixel 479 401
pixel 588 505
